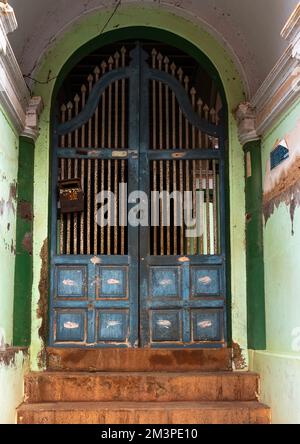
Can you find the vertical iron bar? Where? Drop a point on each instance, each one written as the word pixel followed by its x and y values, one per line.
pixel 82 215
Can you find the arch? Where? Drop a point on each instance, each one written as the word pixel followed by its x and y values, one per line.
pixel 232 91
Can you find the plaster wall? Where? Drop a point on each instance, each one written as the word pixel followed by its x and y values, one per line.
pixel 12 364
pixel 279 365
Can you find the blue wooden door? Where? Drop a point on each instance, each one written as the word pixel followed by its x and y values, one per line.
pixel 138 124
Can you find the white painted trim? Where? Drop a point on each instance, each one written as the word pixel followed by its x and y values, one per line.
pixel 246 120
pixel 14 95
pixel 287 68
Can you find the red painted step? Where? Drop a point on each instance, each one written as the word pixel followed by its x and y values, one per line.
pixel 140 387
pixel 144 413
pixel 138 360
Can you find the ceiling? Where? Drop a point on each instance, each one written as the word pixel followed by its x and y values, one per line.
pixel 250 28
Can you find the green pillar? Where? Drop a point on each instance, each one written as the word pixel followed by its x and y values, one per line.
pixel 254 247
pixel 24 263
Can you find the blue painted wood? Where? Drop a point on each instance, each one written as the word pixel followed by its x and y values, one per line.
pixel 71 282
pixel 206 281
pixel 113 326
pixel 166 326
pixel 207 325
pixel 70 326
pixel 139 299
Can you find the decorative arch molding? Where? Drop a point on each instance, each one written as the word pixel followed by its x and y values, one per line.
pixel 179 9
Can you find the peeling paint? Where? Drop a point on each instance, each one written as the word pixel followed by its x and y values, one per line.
pixel 11 202
pixel 69 282
pixel 238 359
pixel 27 242
pixel 96 260
pixel 164 323
pixel 112 324
pixel 205 324
pixel 71 325
pixel 184 259
pixel 282 184
pixel 206 280
pixel 25 210
pixel 165 282
pixel 42 310
pixel 113 281
pixel 2 206
pixel 8 356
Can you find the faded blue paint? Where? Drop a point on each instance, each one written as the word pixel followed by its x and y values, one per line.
pixel 165 282
pixel 71 282
pixel 112 283
pixel 205 282
pixel 113 325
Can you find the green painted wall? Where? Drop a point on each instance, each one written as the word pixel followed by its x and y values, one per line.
pixel 23 267
pixel 279 365
pixel 12 373
pixel 50 66
pixel 12 387
pixel 254 247
pixel 281 255
pixel 9 144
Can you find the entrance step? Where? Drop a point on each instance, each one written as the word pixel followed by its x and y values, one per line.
pixel 140 387
pixel 144 413
pixel 139 360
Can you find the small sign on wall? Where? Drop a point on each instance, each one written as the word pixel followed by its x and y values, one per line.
pixel 279 154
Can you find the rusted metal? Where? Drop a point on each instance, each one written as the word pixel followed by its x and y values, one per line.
pixel 71 196
pixel 82 216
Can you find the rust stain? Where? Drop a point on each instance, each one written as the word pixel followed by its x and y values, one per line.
pixel 8 356
pixel 96 260
pixel 286 191
pixel 178 155
pixel 184 259
pixel 13 248
pixel 27 243
pixel 42 309
pixel 2 205
pixel 238 359
pixel 11 203
pixel 25 210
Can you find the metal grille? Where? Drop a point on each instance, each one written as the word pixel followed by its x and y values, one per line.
pixel 80 233
pixel 201 179
pixel 169 128
pixel 108 128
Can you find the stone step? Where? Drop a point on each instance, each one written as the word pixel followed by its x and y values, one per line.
pixel 140 387
pixel 144 413
pixel 138 360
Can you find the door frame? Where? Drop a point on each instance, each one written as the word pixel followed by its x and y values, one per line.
pixel 167 37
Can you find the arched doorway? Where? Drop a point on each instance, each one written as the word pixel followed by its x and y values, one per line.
pixel 138 116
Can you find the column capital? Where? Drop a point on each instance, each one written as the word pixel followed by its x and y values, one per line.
pixel 33 112
pixel 245 115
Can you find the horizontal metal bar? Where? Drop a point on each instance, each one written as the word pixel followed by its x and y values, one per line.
pixel 101 153
pixel 109 304
pixel 188 345
pixel 93 100
pixel 180 260
pixel 172 304
pixel 184 102
pixel 96 260
pixel 196 154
